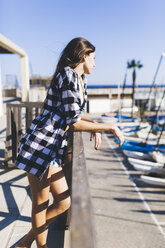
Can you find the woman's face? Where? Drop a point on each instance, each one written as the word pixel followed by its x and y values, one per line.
pixel 89 63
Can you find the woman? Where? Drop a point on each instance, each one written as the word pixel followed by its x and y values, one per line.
pixel 43 148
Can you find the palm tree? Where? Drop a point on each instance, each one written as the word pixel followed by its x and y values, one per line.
pixel 133 65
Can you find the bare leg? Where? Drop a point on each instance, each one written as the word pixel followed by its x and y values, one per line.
pixel 40 200
pixel 59 189
pixel 60 193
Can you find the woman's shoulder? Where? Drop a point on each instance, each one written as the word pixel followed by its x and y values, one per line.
pixel 67 74
pixel 66 71
pixel 69 71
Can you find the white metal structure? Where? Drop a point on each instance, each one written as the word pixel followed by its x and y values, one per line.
pixel 7 46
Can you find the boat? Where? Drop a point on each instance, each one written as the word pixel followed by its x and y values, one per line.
pixel 149 141
pixel 108 119
pixel 139 146
pixel 158 156
pixel 123 125
pixel 130 134
pixel 135 126
pixel 144 165
pixel 143 134
pixel 156 128
pixel 161 122
pixel 125 118
pixel 144 168
pixel 132 130
pixel 156 118
pixel 129 109
pixel 135 154
pixel 154 179
pixel 133 138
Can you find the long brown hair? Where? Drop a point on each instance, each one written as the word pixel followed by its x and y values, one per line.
pixel 73 53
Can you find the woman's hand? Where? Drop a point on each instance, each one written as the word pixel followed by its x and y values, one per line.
pixel 117 132
pixel 97 137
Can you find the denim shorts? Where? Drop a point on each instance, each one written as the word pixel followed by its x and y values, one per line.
pixel 69 150
pixel 54 163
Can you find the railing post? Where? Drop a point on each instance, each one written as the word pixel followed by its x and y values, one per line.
pixel 8 143
pixel 14 131
pixel 68 169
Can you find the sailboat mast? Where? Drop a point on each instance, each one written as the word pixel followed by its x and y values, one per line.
pixel 154 79
pixel 155 117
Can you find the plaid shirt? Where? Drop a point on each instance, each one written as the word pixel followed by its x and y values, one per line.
pixel 46 138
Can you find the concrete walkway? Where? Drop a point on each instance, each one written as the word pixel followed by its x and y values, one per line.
pixel 127 212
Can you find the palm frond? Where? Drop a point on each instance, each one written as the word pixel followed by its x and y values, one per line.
pixel 133 63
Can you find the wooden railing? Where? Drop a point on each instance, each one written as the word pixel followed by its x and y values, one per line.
pixel 82 229
pixel 79 218
pixel 19 117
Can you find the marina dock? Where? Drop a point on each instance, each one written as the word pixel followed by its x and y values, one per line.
pixel 126 211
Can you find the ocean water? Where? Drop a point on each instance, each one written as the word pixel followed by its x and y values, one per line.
pixel 113 86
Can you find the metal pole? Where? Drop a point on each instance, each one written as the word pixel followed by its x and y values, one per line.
pixel 1 99
pixel 157 144
pixel 154 118
pixel 119 101
pixel 154 79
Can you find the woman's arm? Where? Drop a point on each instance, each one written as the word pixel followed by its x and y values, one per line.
pixel 83 125
pixel 87 126
pixel 94 135
pixel 86 119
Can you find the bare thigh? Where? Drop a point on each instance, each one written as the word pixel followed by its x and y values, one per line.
pixel 59 187
pixel 40 188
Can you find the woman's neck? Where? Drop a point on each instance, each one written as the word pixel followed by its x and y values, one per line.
pixel 79 69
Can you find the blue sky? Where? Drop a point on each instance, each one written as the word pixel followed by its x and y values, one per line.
pixel 121 30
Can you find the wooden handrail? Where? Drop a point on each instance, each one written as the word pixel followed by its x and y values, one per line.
pixel 82 230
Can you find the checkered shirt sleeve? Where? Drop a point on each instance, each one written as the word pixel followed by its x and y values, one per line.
pixel 71 98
